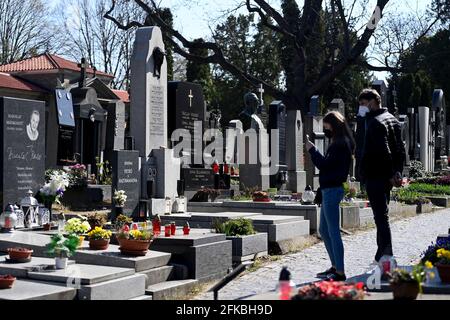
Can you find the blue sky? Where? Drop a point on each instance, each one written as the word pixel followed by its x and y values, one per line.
pixel 195 17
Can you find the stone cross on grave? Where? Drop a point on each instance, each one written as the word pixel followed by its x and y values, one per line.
pixel 190 96
pixel 261 94
pixel 83 65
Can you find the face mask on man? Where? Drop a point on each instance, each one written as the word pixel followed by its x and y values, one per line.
pixel 363 110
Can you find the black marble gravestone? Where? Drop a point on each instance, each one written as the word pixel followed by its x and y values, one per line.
pixel 277 121
pixel 196 178
pixel 126 176
pixel 66 123
pixel 23 148
pixel 186 105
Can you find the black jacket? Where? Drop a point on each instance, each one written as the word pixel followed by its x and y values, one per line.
pixel 383 152
pixel 335 165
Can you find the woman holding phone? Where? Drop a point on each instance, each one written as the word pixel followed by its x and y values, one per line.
pixel 334 168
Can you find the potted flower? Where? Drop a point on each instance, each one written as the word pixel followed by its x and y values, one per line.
pixel 96 220
pixel 120 198
pixel 61 248
pixel 134 242
pixel 443 264
pixel 205 195
pixel 438 254
pixel 52 191
pixel 78 226
pixel 123 220
pixel 261 196
pixel 99 238
pixel 19 254
pixel 7 281
pixel 407 285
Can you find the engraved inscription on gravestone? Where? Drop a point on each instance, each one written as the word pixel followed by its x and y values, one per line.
pixel 126 175
pixel 23 145
pixel 157 111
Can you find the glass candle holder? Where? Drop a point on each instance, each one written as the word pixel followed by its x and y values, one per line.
pixel 173 228
pixel 167 230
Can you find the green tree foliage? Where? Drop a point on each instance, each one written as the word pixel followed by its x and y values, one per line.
pixel 200 73
pixel 428 64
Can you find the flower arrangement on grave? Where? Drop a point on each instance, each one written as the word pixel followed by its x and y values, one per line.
pixel 261 196
pixel 408 284
pixel 331 290
pixel 78 226
pixel 54 188
pixel 99 238
pixel 134 242
pixel 123 220
pixel 97 220
pixel 205 195
pixel 77 176
pixel 431 253
pixel 235 227
pixel 62 248
pixel 442 264
pixel 120 198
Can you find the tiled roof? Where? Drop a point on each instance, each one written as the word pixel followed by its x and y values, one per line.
pixel 46 61
pixel 11 82
pixel 123 95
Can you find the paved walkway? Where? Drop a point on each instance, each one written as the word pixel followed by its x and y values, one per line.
pixel 410 238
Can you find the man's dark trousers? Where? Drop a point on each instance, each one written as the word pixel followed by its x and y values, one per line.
pixel 379 193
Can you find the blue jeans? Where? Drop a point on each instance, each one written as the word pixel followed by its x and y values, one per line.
pixel 330 227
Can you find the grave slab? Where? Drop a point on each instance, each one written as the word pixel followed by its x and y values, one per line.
pixel 21 269
pixel 85 274
pixel 118 289
pixel 37 290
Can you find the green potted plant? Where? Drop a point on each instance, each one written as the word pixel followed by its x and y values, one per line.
pixel 406 285
pixel 96 220
pixel 99 238
pixel 123 220
pixel 246 243
pixel 61 248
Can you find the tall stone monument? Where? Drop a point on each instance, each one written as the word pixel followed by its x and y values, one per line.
pixel 295 158
pixel 148 117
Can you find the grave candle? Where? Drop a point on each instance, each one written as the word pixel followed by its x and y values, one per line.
pixel 167 230
pixel 173 228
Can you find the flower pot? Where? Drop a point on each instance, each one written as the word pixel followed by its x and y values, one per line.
pixel 18 254
pixel 261 199
pixel 444 272
pixel 61 263
pixel 405 290
pixel 47 227
pixel 6 281
pixel 99 244
pixel 134 247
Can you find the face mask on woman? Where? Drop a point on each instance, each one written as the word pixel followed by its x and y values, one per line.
pixel 328 133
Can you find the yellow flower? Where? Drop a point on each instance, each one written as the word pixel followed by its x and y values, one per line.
pixel 442 253
pixel 432 275
pixel 428 265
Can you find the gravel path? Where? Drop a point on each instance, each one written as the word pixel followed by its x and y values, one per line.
pixel 410 236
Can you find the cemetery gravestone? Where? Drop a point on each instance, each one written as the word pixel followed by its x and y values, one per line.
pixel 441 143
pixel 277 121
pixel 295 159
pixel 338 105
pixel 66 131
pixel 125 168
pixel 149 91
pixel 23 145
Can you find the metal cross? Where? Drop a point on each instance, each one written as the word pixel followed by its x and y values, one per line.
pixel 190 96
pixel 261 93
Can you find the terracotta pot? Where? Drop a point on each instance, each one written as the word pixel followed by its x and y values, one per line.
pixel 134 247
pixel 6 282
pixel 47 227
pixel 444 272
pixel 19 253
pixel 100 244
pixel 405 290
pixel 261 199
